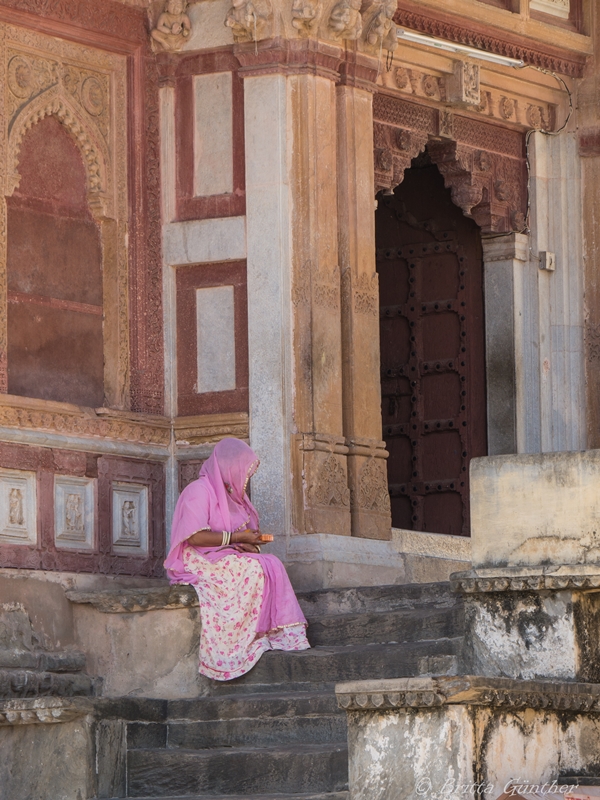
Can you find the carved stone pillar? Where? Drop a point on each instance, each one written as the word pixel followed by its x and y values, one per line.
pixel 367 473
pixel 290 101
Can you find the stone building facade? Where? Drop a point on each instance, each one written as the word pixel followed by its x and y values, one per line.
pixel 303 224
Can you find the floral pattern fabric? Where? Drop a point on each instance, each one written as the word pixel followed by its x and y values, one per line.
pixel 230 592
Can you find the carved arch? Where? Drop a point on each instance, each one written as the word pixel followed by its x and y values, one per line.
pixel 94 152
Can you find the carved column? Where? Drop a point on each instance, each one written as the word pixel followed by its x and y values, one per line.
pixel 367 473
pixel 296 358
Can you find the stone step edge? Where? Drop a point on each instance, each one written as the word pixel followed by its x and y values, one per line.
pixel 327 796
pixel 235 752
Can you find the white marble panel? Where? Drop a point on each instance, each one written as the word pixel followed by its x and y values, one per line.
pixel 213 134
pixel 204 241
pixel 215 326
pixel 130 518
pixel 74 512
pixel 18 512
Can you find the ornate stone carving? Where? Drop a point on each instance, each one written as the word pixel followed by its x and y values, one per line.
pixel 464 85
pixel 467 690
pixel 86 90
pixel 330 487
pixel 173 27
pixel 250 20
pixel 554 58
pixel 483 166
pixel 345 21
pixel 373 494
pixel 210 428
pixel 44 710
pixel 380 32
pixel 37 415
pixel 327 288
pixel 474 584
pixel 306 15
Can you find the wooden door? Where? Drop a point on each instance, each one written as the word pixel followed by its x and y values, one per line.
pixel 429 262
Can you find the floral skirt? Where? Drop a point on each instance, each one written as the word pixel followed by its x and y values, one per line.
pixel 231 592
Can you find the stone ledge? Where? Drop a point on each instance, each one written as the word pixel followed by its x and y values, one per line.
pixel 126 601
pixel 467 690
pixel 43 711
pixel 473 582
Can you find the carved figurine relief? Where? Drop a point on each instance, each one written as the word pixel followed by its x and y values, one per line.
pixel 173 27
pixel 345 21
pixel 250 20
pixel 74 522
pixel 380 30
pixel 129 527
pixel 306 15
pixel 16 514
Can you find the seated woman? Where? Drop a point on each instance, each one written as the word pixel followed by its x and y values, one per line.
pixel 247 604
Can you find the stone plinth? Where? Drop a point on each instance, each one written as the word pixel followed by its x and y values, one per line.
pixel 443 737
pixel 528 626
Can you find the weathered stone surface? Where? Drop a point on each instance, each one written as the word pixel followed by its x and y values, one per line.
pixel 125 601
pixel 536 510
pixel 443 737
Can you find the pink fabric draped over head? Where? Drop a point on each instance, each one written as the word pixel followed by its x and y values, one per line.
pixel 217 501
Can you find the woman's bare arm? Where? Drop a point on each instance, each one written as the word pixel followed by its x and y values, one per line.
pixel 215 539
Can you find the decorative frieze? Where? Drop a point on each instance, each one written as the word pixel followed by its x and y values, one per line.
pixel 18 507
pixel 24 413
pixel 468 690
pixel 471 583
pixel 210 428
pixel 42 710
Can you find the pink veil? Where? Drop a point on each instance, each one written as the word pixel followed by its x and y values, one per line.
pixel 217 501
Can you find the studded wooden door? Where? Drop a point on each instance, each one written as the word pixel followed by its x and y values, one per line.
pixel 429 262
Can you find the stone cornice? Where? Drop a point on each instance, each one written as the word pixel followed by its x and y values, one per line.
pixel 433 692
pixel 43 710
pixel 69 420
pixel 472 583
pixel 445 26
pixel 289 56
pixel 210 427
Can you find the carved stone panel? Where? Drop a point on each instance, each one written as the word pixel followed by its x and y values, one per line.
pixel 18 517
pixel 130 518
pixel 74 512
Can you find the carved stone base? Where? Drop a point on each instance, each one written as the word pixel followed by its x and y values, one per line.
pixel 370 498
pixel 326 496
pixel 445 737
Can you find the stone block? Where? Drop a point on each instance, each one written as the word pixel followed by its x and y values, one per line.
pixel 444 738
pixel 536 510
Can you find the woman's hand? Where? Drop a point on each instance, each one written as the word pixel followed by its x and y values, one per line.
pixel 249 536
pixel 246 548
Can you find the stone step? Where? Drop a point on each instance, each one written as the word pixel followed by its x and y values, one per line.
pixel 319 668
pixel 259 720
pixel 278 796
pixel 404 625
pixel 34 683
pixel 301 768
pixel 375 599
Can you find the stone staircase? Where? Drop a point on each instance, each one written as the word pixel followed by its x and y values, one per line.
pixel 277 733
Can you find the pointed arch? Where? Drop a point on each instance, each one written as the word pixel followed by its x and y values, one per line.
pixel 93 151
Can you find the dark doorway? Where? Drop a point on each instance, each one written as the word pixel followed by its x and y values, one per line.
pixel 429 261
